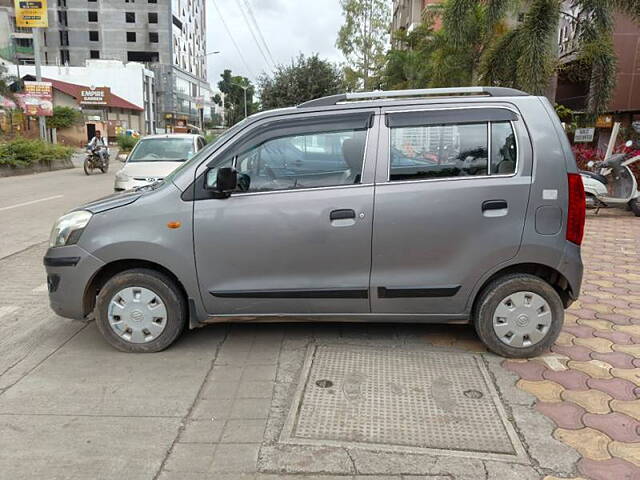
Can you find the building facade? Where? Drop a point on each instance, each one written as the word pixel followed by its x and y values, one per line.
pixel 132 82
pixel 168 36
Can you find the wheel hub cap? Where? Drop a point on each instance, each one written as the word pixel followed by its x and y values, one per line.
pixel 522 319
pixel 137 314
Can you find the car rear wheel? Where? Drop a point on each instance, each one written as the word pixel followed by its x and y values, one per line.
pixel 519 316
pixel 140 310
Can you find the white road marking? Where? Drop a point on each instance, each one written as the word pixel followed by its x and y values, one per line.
pixel 8 310
pixel 42 288
pixel 24 204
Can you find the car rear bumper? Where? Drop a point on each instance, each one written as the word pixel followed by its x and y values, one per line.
pixel 69 271
pixel 572 268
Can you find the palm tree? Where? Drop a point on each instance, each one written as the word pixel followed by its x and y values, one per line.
pixel 525 56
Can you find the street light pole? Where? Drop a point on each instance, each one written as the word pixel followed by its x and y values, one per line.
pixel 201 110
pixel 38 61
pixel 245 96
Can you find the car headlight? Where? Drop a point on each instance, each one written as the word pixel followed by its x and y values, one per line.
pixel 67 229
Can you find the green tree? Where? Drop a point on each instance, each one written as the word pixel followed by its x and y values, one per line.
pixel 363 40
pixel 525 56
pixel 5 83
pixel 64 117
pixel 305 79
pixel 234 97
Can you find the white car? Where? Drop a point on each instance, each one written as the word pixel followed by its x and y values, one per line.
pixel 156 156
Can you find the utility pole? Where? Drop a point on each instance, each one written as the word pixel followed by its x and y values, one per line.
pixel 38 61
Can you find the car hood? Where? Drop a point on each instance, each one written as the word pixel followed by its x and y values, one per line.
pixel 150 169
pixel 112 201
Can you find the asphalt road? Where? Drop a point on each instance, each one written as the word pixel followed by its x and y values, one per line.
pixel 29 204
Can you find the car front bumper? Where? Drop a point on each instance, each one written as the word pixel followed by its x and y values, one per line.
pixel 69 271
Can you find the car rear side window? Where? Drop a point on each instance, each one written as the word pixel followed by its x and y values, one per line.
pixel 438 151
pixel 310 160
pixel 451 143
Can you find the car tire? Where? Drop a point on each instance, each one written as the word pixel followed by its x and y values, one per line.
pixel 511 327
pixel 172 315
pixel 634 205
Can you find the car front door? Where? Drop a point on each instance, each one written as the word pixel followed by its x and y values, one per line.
pixel 452 188
pixel 295 238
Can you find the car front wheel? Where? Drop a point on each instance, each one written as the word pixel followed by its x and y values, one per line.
pixel 519 316
pixel 140 310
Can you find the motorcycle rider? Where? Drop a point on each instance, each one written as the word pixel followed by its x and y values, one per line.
pixel 99 145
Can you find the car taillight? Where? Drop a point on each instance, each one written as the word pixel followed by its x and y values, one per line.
pixel 577 209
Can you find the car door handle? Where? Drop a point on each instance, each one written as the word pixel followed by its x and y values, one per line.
pixel 494 205
pixel 342 214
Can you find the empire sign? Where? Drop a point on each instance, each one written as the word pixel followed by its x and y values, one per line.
pixel 95 96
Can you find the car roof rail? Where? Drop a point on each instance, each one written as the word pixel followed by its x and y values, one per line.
pixel 453 91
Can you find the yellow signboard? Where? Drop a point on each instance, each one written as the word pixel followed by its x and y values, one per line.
pixel 31 13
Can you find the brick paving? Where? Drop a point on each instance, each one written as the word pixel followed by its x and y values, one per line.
pixel 589 384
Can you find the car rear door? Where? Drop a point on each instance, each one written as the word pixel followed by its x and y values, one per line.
pixel 293 239
pixel 452 187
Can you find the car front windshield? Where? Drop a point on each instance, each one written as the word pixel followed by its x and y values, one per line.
pixel 207 150
pixel 163 150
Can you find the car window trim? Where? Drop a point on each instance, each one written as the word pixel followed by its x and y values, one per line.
pixel 470 177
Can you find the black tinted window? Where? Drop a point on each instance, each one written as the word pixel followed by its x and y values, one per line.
pixel 438 151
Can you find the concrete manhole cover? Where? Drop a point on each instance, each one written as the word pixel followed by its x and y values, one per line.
pixel 401 400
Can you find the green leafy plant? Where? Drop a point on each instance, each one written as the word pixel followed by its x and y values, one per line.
pixel 23 152
pixel 305 79
pixel 64 117
pixel 126 142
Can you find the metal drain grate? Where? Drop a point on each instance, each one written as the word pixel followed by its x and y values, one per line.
pixel 399 399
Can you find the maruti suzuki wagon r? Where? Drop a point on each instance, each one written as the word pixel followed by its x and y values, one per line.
pixel 444 205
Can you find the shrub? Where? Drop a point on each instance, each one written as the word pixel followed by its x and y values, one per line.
pixel 23 152
pixel 64 117
pixel 126 142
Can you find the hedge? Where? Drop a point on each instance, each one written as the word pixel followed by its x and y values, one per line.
pixel 23 152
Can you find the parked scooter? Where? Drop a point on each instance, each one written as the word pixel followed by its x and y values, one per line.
pixel 613 185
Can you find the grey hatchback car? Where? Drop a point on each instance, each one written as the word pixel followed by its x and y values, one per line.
pixel 440 205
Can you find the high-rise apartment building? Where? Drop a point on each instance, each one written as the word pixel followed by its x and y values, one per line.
pixel 168 36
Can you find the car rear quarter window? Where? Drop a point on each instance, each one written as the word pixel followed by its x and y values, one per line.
pixel 503 149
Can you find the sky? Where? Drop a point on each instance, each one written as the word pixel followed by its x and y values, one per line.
pixel 289 27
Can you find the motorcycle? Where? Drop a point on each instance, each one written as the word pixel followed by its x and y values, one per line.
pixel 94 161
pixel 613 184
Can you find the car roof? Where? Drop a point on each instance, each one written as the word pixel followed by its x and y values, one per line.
pixel 393 98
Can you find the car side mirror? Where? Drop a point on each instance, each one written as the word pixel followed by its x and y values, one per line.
pixel 226 181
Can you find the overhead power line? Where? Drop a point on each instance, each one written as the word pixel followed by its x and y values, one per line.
pixel 226 27
pixel 259 30
pixel 253 34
